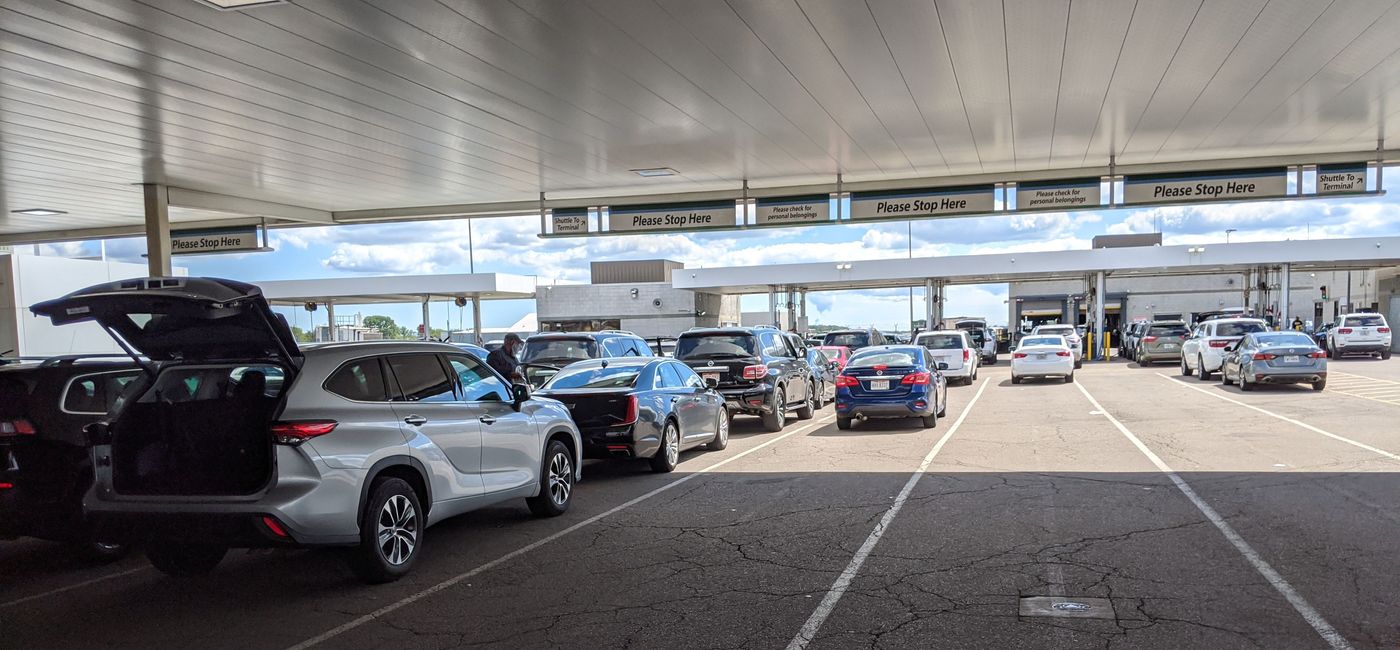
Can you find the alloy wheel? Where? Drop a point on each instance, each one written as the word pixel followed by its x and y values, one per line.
pixel 723 433
pixel 561 479
pixel 398 530
pixel 673 445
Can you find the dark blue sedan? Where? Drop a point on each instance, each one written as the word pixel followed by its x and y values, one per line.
pixel 640 407
pixel 890 381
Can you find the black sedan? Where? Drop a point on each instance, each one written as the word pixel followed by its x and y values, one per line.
pixel 651 408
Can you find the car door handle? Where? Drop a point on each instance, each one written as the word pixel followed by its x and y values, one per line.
pixel 416 420
pixel 486 419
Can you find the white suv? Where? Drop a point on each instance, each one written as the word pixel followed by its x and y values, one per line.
pixel 1359 334
pixel 1204 352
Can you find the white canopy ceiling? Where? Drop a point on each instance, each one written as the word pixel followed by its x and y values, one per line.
pixel 350 106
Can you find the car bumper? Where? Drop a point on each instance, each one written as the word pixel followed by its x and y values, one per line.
pixel 1363 348
pixel 753 400
pixel 1288 376
pixel 619 442
pixel 1161 355
pixel 903 407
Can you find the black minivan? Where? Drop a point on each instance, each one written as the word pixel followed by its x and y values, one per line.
pixel 759 370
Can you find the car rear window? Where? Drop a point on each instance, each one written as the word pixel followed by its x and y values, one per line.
pixel 595 377
pixel 1284 338
pixel 882 358
pixel 1167 330
pixel 1238 329
pixel 549 349
pixel 942 342
pixel 847 339
pixel 715 346
pixel 96 393
pixel 1043 340
pixel 1369 320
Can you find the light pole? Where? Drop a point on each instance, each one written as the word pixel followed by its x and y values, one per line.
pixel 911 288
pixel 1227 233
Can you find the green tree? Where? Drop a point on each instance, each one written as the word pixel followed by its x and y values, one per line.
pixel 301 335
pixel 387 327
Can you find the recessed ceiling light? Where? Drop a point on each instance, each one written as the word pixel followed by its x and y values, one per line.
pixel 39 212
pixel 234 5
pixel 655 171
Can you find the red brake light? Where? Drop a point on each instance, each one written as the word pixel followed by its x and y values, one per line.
pixel 1063 353
pixel 846 381
pixel 1148 339
pixel 881 366
pixel 7 486
pixel 755 372
pixel 1219 343
pixel 916 379
pixel 1319 354
pixel 633 410
pixel 1383 330
pixel 16 427
pixel 967 354
pixel 1263 356
pixel 1344 330
pixel 295 433
pixel 274 527
pixel 1018 355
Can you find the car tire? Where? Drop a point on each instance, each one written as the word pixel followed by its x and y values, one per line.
pixel 808 409
pixel 929 421
pixel 101 552
pixel 843 423
pixel 1333 353
pixel 1319 385
pixel 1185 369
pixel 817 401
pixel 1069 379
pixel 775 420
pixel 556 482
pixel 1224 377
pixel 183 560
pixel 668 455
pixel 392 514
pixel 1201 373
pixel 721 432
pixel 1079 363
pixel 1385 355
pixel 1245 386
pixel 1015 379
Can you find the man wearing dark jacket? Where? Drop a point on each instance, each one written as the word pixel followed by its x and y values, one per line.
pixel 504 361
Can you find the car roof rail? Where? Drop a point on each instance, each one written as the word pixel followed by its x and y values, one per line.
pixel 623 332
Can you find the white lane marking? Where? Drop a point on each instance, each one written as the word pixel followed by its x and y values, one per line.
pixel 51 592
pixel 446 584
pixel 843 581
pixel 1285 418
pixel 1301 605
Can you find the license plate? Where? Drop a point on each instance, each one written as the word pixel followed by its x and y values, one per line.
pixel 1040 356
pixel 1290 359
pixel 879 384
pixel 1168 346
pixel 710 375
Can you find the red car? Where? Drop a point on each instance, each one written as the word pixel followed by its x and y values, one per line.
pixel 837 353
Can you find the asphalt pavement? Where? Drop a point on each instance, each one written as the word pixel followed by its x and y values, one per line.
pixel 1135 507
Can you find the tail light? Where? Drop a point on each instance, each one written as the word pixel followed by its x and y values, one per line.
pixel 846 381
pixel 275 527
pixel 7 486
pixel 1219 343
pixel 967 355
pixel 1383 330
pixel 917 379
pixel 1318 354
pixel 755 372
pixel 1344 330
pixel 299 431
pixel 633 410
pixel 1149 339
pixel 16 427
pixel 1063 353
pixel 1264 356
pixel 1018 355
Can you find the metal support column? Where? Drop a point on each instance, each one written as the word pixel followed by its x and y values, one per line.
pixel 773 305
pixel 427 324
pixel 157 231
pixel 939 286
pixel 802 310
pixel 1100 350
pixel 929 298
pixel 330 322
pixel 476 319
pixel 1285 287
pixel 790 308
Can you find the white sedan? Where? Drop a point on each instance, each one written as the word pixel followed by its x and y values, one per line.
pixel 1042 356
pixel 1071 336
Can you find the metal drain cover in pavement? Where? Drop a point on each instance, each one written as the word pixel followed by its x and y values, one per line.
pixel 1066 607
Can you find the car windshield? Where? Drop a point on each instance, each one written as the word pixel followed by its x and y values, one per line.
pixel 847 339
pixel 1238 329
pixel 592 376
pixel 1043 340
pixel 942 341
pixel 1167 330
pixel 883 358
pixel 715 346
pixel 1284 338
pixel 1369 320
pixel 559 348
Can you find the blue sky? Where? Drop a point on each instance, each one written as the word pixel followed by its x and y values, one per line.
pixel 510 245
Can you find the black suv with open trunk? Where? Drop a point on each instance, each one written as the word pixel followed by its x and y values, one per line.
pixel 759 370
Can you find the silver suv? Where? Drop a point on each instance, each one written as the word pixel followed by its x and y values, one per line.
pixel 236 437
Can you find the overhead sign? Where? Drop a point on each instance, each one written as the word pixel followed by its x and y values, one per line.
pixel 691 216
pixel 1209 186
pixel 793 210
pixel 573 221
pixel 1066 194
pixel 215 240
pixel 1345 178
pixel 934 202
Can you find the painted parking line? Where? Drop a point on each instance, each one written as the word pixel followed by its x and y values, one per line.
pixel 1285 418
pixel 843 581
pixel 454 580
pixel 1385 391
pixel 54 592
pixel 1310 614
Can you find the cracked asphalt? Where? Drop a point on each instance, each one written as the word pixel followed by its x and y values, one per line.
pixel 1037 493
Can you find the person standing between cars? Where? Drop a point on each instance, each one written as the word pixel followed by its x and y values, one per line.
pixel 504 361
pixel 1297 324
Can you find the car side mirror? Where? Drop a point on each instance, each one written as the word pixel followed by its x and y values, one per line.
pixel 942 365
pixel 520 393
pixel 711 383
pixel 1231 347
pixel 97 433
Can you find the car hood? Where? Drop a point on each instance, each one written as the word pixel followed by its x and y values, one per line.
pixel 187 319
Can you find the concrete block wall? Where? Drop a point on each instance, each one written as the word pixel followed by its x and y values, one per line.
pixel 675 313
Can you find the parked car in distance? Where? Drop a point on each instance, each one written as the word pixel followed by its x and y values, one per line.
pixel 652 408
pixel 1320 335
pixel 759 370
pixel 1160 341
pixel 838 354
pixel 1042 355
pixel 1204 351
pixel 1127 346
pixel 955 349
pixel 854 339
pixel 895 381
pixel 1274 358
pixel 45 467
pixel 548 353
pixel 236 437
pixel 983 340
pixel 1359 334
pixel 1071 336
pixel 824 371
